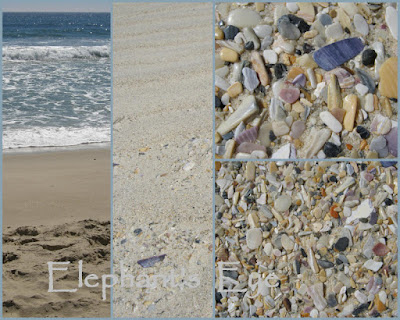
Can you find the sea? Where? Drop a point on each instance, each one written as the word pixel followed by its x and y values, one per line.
pixel 56 79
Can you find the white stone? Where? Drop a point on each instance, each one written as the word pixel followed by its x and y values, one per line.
pixel 369 102
pixel 372 265
pixel 287 243
pixel 243 17
pixel 364 210
pixel 263 31
pixel 225 99
pixel 250 35
pixel 247 108
pixel 221 83
pixel 330 121
pixel 253 238
pixel 258 154
pixel 361 297
pixel 222 72
pixel 283 203
pixel 360 24
pixel 280 128
pixel 361 89
pixel 334 31
pixel 282 152
pixel 292 7
pixel 391 20
pixel 268 249
pixel 314 313
pixel 350 8
pixel 250 79
pixel 270 56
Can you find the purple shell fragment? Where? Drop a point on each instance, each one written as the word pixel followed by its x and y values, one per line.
pixel 391 138
pixel 249 135
pixel 150 262
pixel 337 53
pixel 300 80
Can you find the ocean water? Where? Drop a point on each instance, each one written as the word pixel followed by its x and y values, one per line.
pixel 56 79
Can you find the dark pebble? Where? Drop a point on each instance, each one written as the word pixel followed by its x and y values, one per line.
pixel 298 52
pixel 137 231
pixel 387 164
pixel 219 215
pixel 230 32
pixel 332 302
pixel 299 23
pixel 368 57
pixel 303 252
pixel 360 309
pixel 225 195
pixel 218 103
pixel 231 274
pixel 287 304
pixel 325 19
pixel 228 135
pixel 366 80
pixel 279 70
pixel 221 24
pixel 374 218
pixel 343 258
pixel 347 30
pixel 150 262
pixel 249 45
pixel 297 262
pixel 272 136
pixel 297 169
pixel 388 202
pixel 218 297
pixel 325 264
pixel 364 166
pixel 307 48
pixel 342 244
pixel 332 179
pixel 331 150
pixel 364 133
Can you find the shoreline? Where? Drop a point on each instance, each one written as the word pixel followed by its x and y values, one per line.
pixel 78 147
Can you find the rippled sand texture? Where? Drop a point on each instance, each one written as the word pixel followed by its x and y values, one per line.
pixel 162 145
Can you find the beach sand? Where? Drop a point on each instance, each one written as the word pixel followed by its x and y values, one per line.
pixel 162 142
pixel 56 208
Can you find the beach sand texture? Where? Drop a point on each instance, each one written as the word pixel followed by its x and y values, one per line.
pixel 56 208
pixel 162 55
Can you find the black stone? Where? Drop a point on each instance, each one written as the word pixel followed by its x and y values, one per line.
pixel 218 102
pixel 230 32
pixel 279 70
pixel 342 244
pixel 249 45
pixel 219 215
pixel 137 231
pixel 299 23
pixel 228 135
pixel 368 57
pixel 297 262
pixel 218 297
pixel 331 150
pixel 360 309
pixel 272 136
pixel 307 48
pixel 347 30
pixel 332 179
pixel 221 24
pixel 225 195
pixel 364 133
pixel 303 252
pixel 366 80
pixel 231 274
pixel 298 52
pixel 325 264
pixel 364 166
pixel 297 169
pixel 388 202
pixel 332 302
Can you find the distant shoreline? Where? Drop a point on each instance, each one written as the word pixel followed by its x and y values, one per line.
pixel 79 147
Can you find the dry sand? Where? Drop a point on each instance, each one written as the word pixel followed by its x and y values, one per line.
pixel 56 208
pixel 162 142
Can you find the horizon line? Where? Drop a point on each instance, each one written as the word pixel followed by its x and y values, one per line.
pixel 56 11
